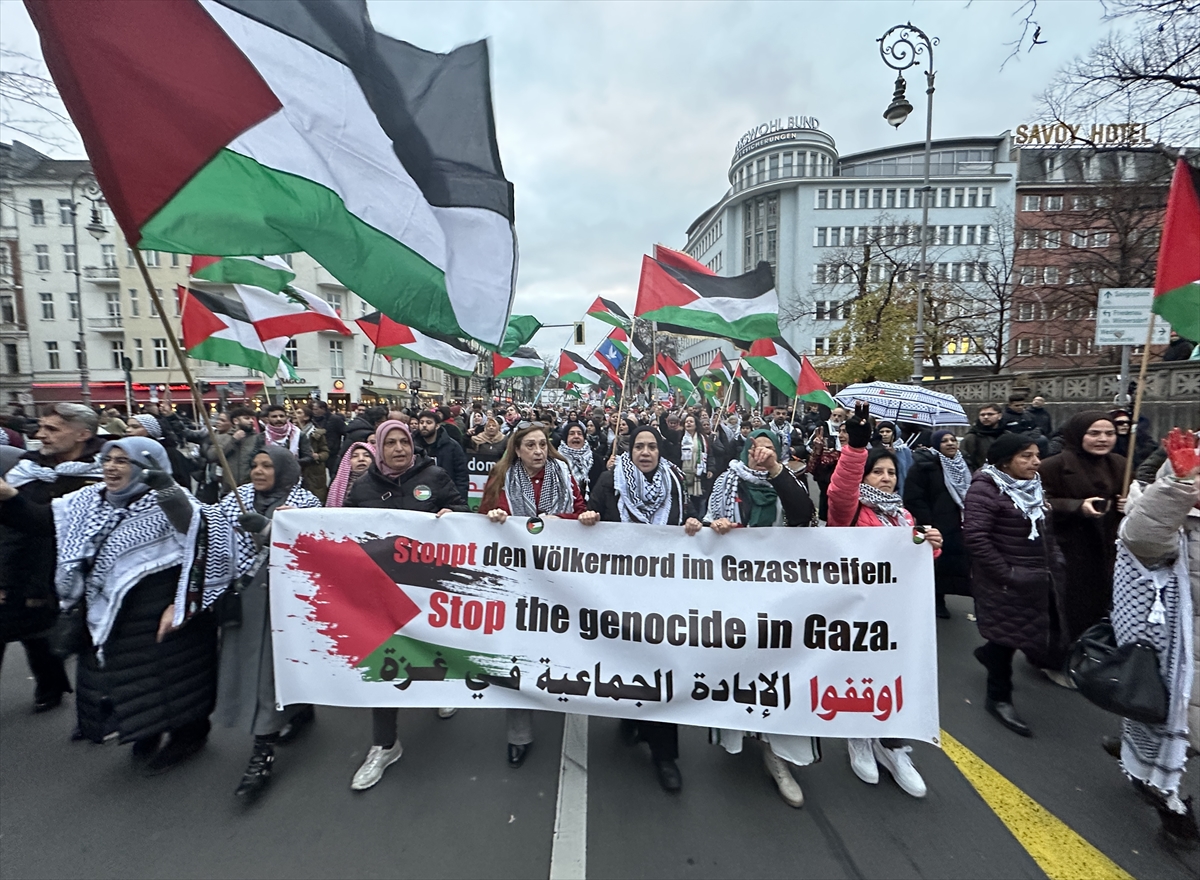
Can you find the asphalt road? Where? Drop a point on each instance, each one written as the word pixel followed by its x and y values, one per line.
pixel 452 808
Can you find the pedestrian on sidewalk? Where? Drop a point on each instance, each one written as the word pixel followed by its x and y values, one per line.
pixel 862 492
pixel 1017 569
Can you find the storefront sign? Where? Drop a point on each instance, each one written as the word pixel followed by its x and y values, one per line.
pixel 1059 133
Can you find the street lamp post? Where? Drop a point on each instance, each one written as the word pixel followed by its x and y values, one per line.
pixel 90 190
pixel 902 47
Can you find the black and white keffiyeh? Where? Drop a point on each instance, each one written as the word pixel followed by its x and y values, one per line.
pixel 723 502
pixel 579 460
pixel 889 505
pixel 1026 495
pixel 957 477
pixel 1156 605
pixel 27 471
pixel 225 537
pixel 642 498
pixel 556 495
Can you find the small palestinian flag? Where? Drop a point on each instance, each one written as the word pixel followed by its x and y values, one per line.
pixel 676 377
pixel 740 309
pixel 522 362
pixel 288 313
pixel 572 391
pixel 270 273
pixel 749 394
pixel 812 387
pixel 720 368
pixel 221 329
pixel 521 329
pixel 1177 281
pixel 610 394
pixel 574 368
pixel 610 313
pixel 264 128
pixel 776 362
pixel 393 339
pixel 658 380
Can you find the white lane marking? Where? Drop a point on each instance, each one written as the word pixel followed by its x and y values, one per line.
pixel 568 855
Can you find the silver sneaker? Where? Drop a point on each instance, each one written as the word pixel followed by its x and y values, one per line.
pixel 778 770
pixel 378 759
pixel 862 760
pixel 900 765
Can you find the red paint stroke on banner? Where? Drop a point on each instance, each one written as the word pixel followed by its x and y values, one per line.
pixel 357 605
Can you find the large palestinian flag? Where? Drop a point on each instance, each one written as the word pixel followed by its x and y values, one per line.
pixel 393 339
pixel 521 329
pixel 574 368
pixel 289 313
pixel 677 378
pixel 229 127
pixel 522 362
pixel 1177 281
pixel 777 362
pixel 740 309
pixel 270 273
pixel 222 329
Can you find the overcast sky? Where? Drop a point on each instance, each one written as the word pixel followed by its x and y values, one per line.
pixel 617 120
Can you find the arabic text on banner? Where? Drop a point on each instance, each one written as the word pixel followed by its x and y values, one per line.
pixel 823 632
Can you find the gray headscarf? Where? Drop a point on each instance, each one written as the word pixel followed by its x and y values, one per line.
pixel 143 453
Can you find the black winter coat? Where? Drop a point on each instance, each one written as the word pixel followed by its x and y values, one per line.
pixel 373 489
pixel 449 455
pixel 603 499
pixel 1014 580
pixel 931 504
pixel 28 550
pixel 357 431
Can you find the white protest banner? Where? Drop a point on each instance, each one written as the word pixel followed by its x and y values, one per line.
pixel 822 632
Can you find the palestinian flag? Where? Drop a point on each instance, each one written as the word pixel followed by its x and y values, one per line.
pixel 393 339
pixel 522 362
pixel 676 377
pixel 573 368
pixel 610 394
pixel 289 313
pixel 680 260
pixel 521 329
pixel 720 368
pixel 619 340
pixel 740 309
pixel 233 128
pixel 776 362
pixel 658 380
pixel 270 273
pixel 572 391
pixel 1177 281
pixel 605 366
pixel 610 313
pixel 812 387
pixel 221 329
pixel 749 394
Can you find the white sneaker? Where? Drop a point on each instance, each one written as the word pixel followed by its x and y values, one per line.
pixel 378 760
pixel 1059 678
pixel 862 760
pixel 900 765
pixel 446 713
pixel 778 770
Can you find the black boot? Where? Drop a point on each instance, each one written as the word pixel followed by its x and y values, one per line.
pixel 184 742
pixel 298 723
pixel 143 749
pixel 258 771
pixel 1180 828
pixel 669 776
pixel 1112 745
pixel 1007 715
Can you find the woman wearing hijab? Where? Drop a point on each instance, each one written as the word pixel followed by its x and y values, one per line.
pixel 693 456
pixel 935 493
pixel 1017 569
pixel 490 442
pixel 532 479
pixel 757 491
pixel 402 478
pixel 146 425
pixel 578 455
pixel 1083 486
pixel 123 566
pixel 354 464
pixel 862 492
pixel 643 488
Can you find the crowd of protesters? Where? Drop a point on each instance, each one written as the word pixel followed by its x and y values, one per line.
pixel 121 534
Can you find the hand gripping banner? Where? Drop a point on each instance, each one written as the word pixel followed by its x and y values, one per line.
pixel 819 632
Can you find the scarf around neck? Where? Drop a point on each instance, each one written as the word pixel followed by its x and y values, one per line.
pixel 286 435
pixel 957 477
pixel 580 460
pixel 888 505
pixel 1026 495
pixel 344 480
pixel 287 475
pixel 642 498
pixel 555 497
pixel 27 471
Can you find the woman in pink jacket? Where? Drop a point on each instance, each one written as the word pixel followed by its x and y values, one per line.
pixel 862 492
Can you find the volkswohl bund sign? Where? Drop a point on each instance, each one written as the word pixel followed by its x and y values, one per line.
pixel 824 632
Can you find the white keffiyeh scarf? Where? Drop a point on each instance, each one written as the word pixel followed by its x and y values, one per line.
pixel 580 461
pixel 888 505
pixel 723 502
pixel 556 495
pixel 1026 495
pixel 957 477
pixel 287 436
pixel 27 471
pixel 642 498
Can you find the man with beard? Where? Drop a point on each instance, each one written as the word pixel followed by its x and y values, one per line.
pixel 432 439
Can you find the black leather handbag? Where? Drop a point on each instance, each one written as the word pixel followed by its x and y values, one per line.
pixel 1122 679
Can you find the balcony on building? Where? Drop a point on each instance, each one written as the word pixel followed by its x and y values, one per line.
pixel 108 324
pixel 102 274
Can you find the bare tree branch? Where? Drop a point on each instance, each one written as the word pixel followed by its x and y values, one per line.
pixel 29 101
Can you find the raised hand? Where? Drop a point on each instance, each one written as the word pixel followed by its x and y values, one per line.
pixel 858 426
pixel 1181 450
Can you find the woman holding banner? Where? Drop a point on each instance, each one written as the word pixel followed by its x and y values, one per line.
pixel 862 492
pixel 758 491
pixel 531 479
pixel 642 487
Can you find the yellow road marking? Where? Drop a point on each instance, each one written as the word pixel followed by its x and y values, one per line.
pixel 1058 850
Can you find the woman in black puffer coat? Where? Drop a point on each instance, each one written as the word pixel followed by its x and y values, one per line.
pixel 1017 570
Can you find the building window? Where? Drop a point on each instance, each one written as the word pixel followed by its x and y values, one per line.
pixel 787 164
pixel 134 308
pixel 8 309
pixel 1031 203
pixel 366 357
pixel 985 197
pixel 1025 346
pixel 334 298
pixel 960 197
pixel 774 167
pixel 1052 239
pixel 822 199
pixel 161 357
pixel 1029 239
pixel 1080 203
pixel 876 198
pixel 150 258
pixel 820 345
pixel 69 257
pixel 761 225
pixel 1100 239
pixel 153 308
pixel 42 253
pixel 52 356
pixel 835 199
pixel 175 260
pixel 291 354
pixel 12 363
pixel 337 368
pixel 118 354
pixel 1053 203
pixel 890 199
pixel 1079 238
pixel 129 260
pixel 37 212
pixel 1050 275
pixel 64 212
pixel 108 256
pixel 139 358
pixel 73 305
pixel 1028 275
pixel 47 300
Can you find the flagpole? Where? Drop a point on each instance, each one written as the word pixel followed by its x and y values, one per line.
pixel 547 382
pixel 1137 408
pixel 624 385
pixel 197 398
pixel 729 390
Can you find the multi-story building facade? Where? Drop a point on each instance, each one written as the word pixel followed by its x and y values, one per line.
pixel 824 221
pixel 1087 218
pixel 40 313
